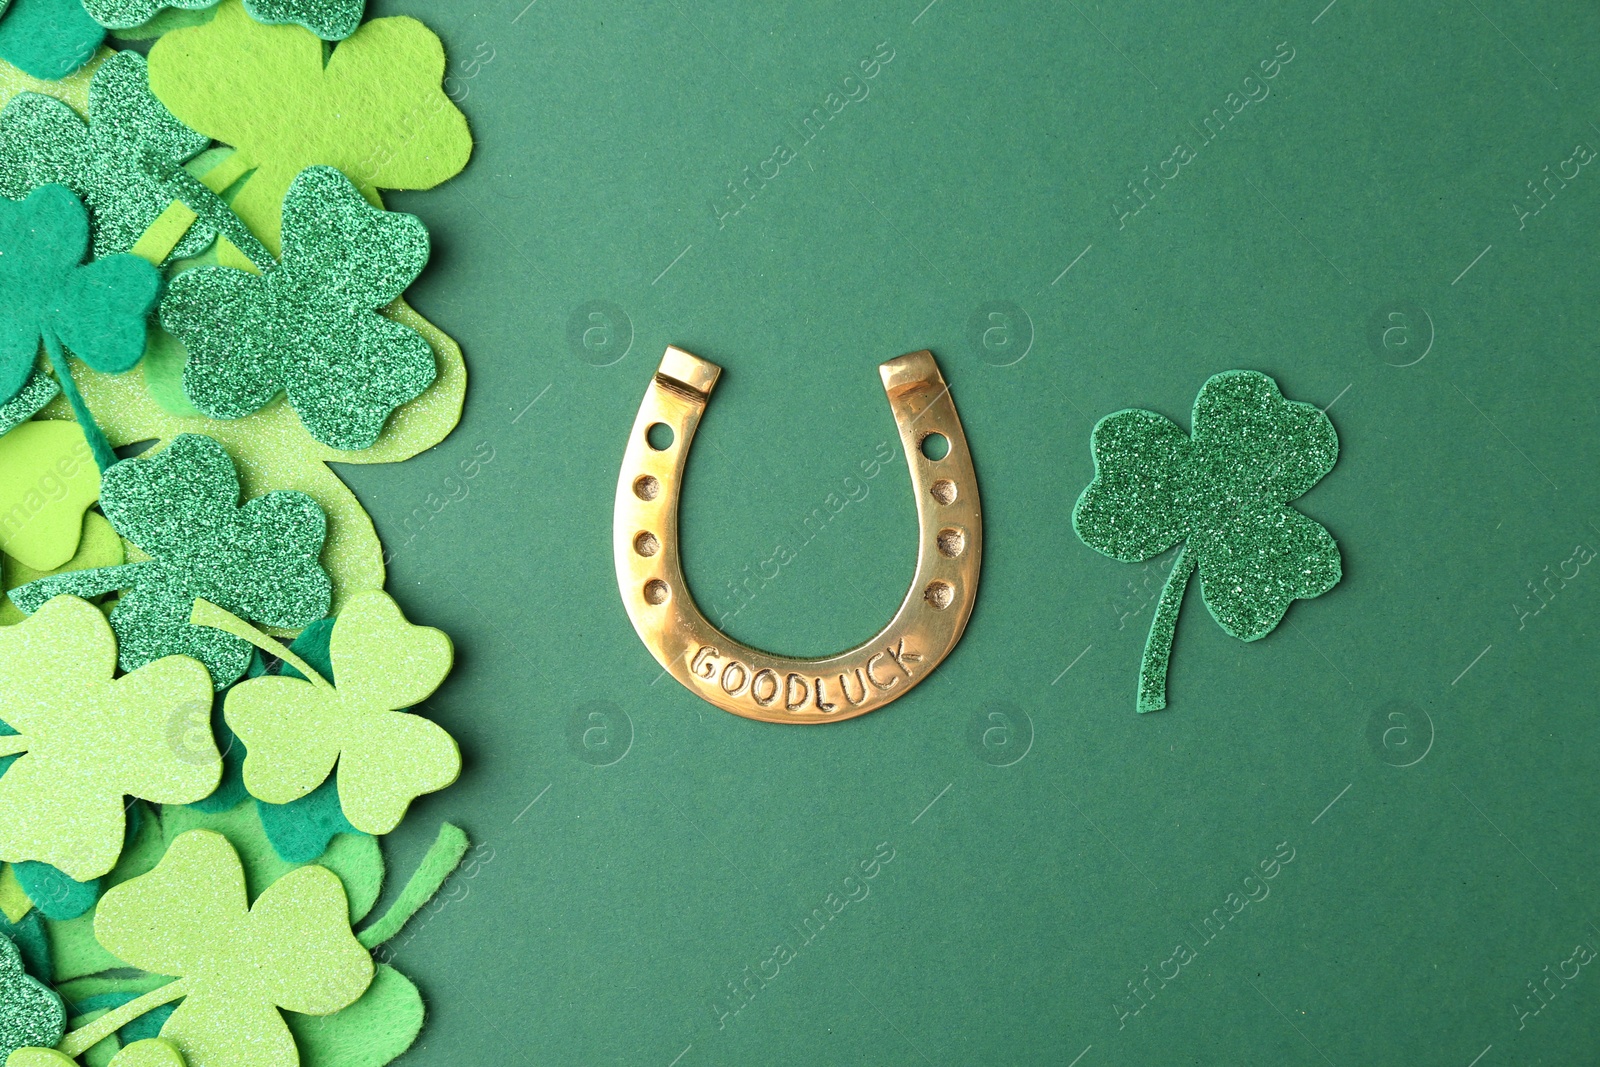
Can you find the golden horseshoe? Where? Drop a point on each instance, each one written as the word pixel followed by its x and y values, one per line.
pixel 756 684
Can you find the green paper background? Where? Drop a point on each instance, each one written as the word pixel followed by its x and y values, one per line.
pixel 644 848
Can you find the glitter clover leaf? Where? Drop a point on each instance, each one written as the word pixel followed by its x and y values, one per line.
pixel 237 965
pixel 30 1012
pixel 310 326
pixel 48 39
pixel 126 163
pixel 331 20
pixel 295 730
pixel 90 740
pixel 375 107
pixel 181 507
pixel 1222 491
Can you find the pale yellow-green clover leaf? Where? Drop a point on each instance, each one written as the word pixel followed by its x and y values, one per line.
pixel 48 479
pixel 191 918
pixel 152 1052
pixel 89 739
pixel 295 731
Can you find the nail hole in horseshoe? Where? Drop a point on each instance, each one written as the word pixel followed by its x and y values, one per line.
pixel 646 487
pixel 943 490
pixel 646 544
pixel 655 591
pixel 659 436
pixel 935 446
pixel 939 594
pixel 952 542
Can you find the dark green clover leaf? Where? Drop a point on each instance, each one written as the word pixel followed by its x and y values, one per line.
pixel 309 326
pixel 181 507
pixel 1221 491
pixel 126 164
pixel 30 1013
pixel 332 20
pixel 48 39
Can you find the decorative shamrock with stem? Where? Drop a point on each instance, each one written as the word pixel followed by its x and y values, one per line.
pixel 30 1012
pixel 98 310
pixel 374 108
pixel 1223 492
pixel 90 740
pixel 126 164
pixel 331 20
pixel 236 964
pixel 296 730
pixel 310 325
pixel 181 506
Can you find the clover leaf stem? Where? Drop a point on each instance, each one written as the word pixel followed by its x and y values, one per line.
pixel 437 866
pixel 87 584
pixel 103 456
pixel 86 1037
pixel 206 613
pixel 1158 646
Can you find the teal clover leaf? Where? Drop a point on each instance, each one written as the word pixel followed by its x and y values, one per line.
pixel 331 20
pixel 309 327
pixel 1223 491
pixel 181 507
pixel 31 1014
pixel 48 39
pixel 126 163
pixel 99 310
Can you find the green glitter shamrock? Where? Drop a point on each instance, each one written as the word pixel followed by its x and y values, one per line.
pixel 30 1012
pixel 48 39
pixel 126 163
pixel 236 964
pixel 181 507
pixel 309 326
pixel 46 292
pixel 332 20
pixel 1223 493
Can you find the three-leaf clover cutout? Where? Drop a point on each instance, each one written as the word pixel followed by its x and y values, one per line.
pixel 181 507
pixel 310 326
pixel 126 163
pixel 1223 491
pixel 236 964
pixel 90 739
pixel 295 730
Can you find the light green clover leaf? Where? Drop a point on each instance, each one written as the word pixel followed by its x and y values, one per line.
pixel 126 163
pixel 1222 491
pixel 152 1052
pixel 90 740
pixel 236 964
pixel 295 731
pixel 30 1012
pixel 181 507
pixel 310 326
pixel 331 20
pixel 375 107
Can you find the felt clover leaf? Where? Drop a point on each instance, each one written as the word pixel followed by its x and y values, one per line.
pixel 181 507
pixel 48 479
pixel 30 1012
pixel 331 20
pixel 89 740
pixel 309 326
pixel 375 108
pixel 98 310
pixel 152 1052
pixel 236 964
pixel 48 38
pixel 295 731
pixel 1222 491
pixel 126 163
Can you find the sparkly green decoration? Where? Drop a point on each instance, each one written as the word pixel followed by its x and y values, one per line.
pixel 181 507
pixel 36 391
pixel 1223 493
pixel 30 1013
pixel 46 292
pixel 332 20
pixel 126 164
pixel 309 326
